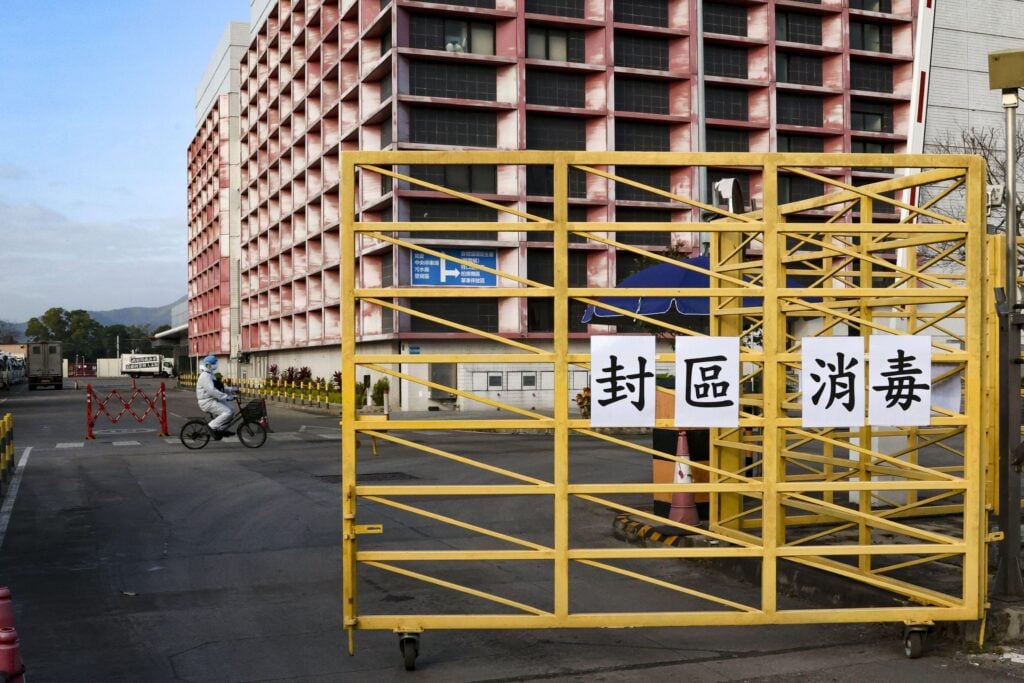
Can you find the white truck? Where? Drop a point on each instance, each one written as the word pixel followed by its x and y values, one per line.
pixel 146 365
pixel 44 365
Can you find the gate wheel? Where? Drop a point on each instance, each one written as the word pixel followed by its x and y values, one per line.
pixel 913 643
pixel 409 644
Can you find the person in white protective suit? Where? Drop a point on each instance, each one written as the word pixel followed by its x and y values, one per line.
pixel 213 400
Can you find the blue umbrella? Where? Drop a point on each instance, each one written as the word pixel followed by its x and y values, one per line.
pixel 669 275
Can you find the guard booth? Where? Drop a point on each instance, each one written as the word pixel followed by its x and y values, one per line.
pixel 873 295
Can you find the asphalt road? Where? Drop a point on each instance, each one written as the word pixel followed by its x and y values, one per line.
pixel 133 559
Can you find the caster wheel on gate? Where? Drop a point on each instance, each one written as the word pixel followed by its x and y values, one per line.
pixel 410 646
pixel 913 644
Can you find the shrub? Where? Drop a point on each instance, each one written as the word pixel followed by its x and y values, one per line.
pixel 377 393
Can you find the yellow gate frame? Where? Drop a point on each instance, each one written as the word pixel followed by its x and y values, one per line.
pixel 776 487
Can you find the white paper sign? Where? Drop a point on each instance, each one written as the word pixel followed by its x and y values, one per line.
pixel 622 381
pixel 899 390
pixel 832 382
pixel 707 382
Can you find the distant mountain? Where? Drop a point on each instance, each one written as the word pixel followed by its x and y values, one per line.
pixel 138 315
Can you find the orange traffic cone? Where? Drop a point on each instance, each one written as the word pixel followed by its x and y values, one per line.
pixel 10 656
pixel 6 608
pixel 684 507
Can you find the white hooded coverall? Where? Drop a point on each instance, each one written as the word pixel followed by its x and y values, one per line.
pixel 212 400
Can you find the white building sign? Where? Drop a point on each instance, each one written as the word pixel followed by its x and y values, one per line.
pixel 832 382
pixel 900 392
pixel 707 382
pixel 622 381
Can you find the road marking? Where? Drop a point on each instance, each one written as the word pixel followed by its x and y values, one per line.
pixel 126 443
pixel 12 492
pixel 71 444
pixel 285 437
pixel 330 436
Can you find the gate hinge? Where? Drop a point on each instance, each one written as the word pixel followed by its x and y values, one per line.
pixel 994 537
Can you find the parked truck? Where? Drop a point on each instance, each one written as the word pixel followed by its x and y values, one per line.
pixel 146 365
pixel 45 365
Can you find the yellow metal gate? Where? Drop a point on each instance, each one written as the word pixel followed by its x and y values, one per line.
pixel 867 254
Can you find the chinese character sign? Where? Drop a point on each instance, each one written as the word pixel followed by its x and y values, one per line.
pixel 622 381
pixel 707 381
pixel 832 382
pixel 900 392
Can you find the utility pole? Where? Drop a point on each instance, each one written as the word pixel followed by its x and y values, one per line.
pixel 1006 73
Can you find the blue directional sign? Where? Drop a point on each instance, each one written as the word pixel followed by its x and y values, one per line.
pixel 431 270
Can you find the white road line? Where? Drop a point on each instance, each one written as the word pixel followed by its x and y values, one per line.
pixel 336 437
pixel 12 492
pixel 71 444
pixel 285 437
pixel 126 443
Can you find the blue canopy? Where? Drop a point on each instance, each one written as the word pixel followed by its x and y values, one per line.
pixel 669 275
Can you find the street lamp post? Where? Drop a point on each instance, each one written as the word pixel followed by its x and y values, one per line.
pixel 1006 73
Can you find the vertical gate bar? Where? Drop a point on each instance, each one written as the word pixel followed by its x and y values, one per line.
pixel 773 530
pixel 975 520
pixel 561 408
pixel 348 396
pixel 864 501
pixel 725 505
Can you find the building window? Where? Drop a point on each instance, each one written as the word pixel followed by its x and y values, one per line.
pixel 794 68
pixel 540 267
pixel 658 177
pixel 555 44
pixel 872 5
pixel 793 188
pixel 874 76
pixel 725 103
pixel 722 60
pixel 558 8
pixel 798 28
pixel 722 18
pixel 455 127
pixel 462 177
pixel 386 136
pixel 555 88
pixel 447 211
pixel 800 143
pixel 577 214
pixel 871 37
pixel 871 147
pixel 644 12
pixel 451 35
pixel 444 79
pixel 638 136
pixel 554 132
pixel 728 140
pixel 641 53
pixel 800 110
pixel 871 116
pixel 641 95
pixel 481 314
pixel 637 214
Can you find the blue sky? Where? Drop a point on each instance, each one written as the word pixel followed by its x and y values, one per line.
pixel 97 107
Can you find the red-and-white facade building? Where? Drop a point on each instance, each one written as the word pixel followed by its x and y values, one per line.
pixel 313 79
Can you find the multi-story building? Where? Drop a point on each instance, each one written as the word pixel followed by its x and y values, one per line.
pixel 213 203
pixel 322 77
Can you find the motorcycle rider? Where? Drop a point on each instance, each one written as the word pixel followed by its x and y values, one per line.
pixel 213 400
